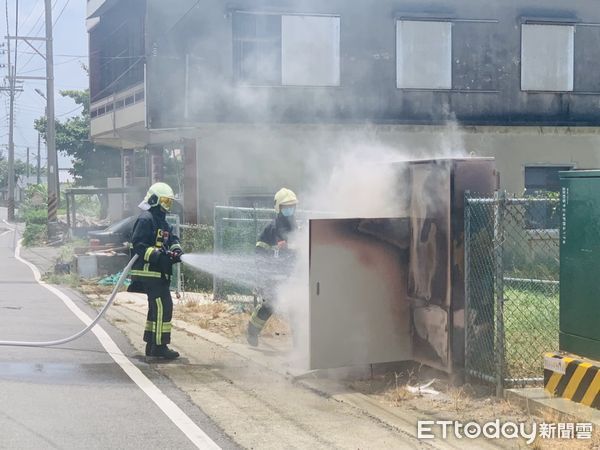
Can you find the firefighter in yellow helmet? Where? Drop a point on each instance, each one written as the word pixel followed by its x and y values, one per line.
pixel 273 256
pixel 157 249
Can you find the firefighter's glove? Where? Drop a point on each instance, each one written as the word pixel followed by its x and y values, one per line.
pixel 176 255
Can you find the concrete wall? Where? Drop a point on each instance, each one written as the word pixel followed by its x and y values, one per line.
pixel 303 157
pixel 191 65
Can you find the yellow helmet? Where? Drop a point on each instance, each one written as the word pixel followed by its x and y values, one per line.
pixel 158 194
pixel 285 197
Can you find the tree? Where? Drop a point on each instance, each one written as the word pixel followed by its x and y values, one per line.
pixel 20 169
pixel 92 164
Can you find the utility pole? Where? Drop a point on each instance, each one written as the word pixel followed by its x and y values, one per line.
pixel 27 170
pixel 11 144
pixel 53 194
pixel 52 166
pixel 39 162
pixel 12 88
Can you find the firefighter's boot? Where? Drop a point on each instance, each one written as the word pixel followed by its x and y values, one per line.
pixel 162 351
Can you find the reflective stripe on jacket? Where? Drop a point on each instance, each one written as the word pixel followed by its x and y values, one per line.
pixel 152 235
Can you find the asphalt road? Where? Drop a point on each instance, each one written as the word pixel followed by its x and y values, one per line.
pixel 76 395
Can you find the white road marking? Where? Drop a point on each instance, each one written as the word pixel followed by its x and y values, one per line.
pixel 194 433
pixel 13 229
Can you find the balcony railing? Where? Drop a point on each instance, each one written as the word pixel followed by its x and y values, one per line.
pixel 122 100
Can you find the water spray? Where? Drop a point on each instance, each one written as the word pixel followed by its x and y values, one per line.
pixel 238 269
pixel 241 270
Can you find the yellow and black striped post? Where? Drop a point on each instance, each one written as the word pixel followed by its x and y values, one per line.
pixel 573 379
pixel 52 206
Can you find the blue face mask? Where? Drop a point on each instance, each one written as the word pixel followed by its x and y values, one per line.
pixel 288 211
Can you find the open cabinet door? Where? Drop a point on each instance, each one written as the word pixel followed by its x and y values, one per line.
pixel 429 287
pixel 358 310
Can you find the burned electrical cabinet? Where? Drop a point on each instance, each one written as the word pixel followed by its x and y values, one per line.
pixel 392 288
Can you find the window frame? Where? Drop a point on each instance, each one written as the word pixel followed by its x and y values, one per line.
pixel 541 23
pixel 237 53
pixel 451 47
pixel 236 56
pixel 116 55
pixel 537 213
pixel 560 166
pixel 339 51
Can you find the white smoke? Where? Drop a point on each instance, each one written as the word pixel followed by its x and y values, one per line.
pixel 359 177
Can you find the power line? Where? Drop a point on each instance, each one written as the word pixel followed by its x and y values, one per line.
pixel 36 22
pixel 43 68
pixel 60 13
pixel 22 135
pixel 27 52
pixel 183 17
pixel 69 112
pixel 32 33
pixel 30 14
pixel 24 22
pixel 111 84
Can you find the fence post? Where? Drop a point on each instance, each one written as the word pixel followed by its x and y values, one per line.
pixel 499 212
pixel 217 249
pixel 467 276
pixel 254 293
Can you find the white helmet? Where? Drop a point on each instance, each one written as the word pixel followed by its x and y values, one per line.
pixel 285 197
pixel 158 194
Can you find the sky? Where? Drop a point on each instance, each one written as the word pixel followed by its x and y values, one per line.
pixel 70 53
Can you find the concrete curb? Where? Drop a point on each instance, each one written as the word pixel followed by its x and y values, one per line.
pixel 538 401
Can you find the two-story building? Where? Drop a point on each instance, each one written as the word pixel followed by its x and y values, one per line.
pixel 256 91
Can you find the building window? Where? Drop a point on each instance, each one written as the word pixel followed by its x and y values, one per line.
pixel 543 182
pixel 423 54
pixel 257 52
pixel 310 51
pixel 286 50
pixel 547 59
pixel 543 179
pixel 117 50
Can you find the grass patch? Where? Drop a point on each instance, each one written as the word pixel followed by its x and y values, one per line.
pixel 531 329
pixel 67 251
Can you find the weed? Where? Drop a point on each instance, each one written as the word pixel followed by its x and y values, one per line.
pixel 70 279
pixel 459 398
pixel 399 393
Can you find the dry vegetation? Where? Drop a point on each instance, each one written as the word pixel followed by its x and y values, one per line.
pixel 464 403
pixel 226 319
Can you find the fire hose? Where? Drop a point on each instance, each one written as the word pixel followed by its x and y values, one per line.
pixel 109 302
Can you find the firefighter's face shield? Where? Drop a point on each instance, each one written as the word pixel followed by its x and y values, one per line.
pixel 165 203
pixel 288 210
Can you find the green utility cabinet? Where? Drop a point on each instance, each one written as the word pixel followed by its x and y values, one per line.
pixel 580 263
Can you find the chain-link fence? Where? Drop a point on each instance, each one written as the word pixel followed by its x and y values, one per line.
pixel 234 234
pixel 236 231
pixel 511 282
pixel 197 238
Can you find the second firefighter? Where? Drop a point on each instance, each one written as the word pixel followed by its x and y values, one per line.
pixel 274 260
